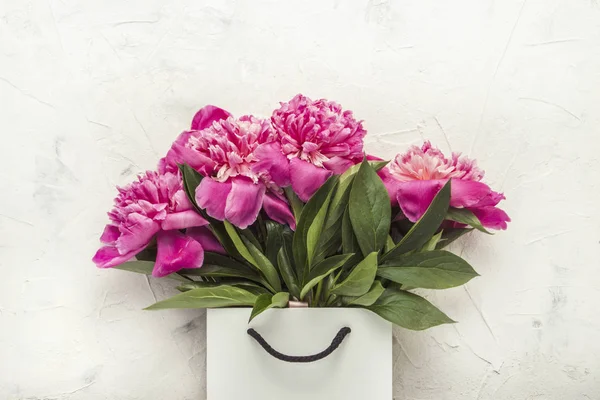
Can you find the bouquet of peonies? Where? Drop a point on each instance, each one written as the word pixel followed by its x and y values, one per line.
pixel 289 211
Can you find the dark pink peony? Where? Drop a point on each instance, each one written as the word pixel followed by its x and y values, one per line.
pixel 415 177
pixel 319 139
pixel 155 207
pixel 243 166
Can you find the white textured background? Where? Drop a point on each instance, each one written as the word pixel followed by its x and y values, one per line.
pixel 93 92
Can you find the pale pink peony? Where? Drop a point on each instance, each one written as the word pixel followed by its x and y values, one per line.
pixel 319 139
pixel 415 177
pixel 243 166
pixel 155 207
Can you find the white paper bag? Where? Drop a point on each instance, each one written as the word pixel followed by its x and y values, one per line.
pixel 239 368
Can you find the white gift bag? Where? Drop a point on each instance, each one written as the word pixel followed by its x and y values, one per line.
pixel 319 357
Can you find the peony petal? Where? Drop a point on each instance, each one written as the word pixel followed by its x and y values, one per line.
pixel 180 201
pixel 338 165
pixel 271 160
pixel 165 166
pixel 182 220
pixel 244 202
pixel 278 210
pixel 491 217
pixel 212 196
pixel 111 234
pixel 473 194
pixel 306 178
pixel 415 196
pixel 204 236
pixel 206 115
pixel 176 251
pixel 391 184
pixel 174 156
pixel 136 232
pixel 179 154
pixel 108 256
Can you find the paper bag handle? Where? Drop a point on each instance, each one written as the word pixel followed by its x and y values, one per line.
pixel 335 343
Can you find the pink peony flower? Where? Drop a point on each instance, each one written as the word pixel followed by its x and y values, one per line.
pixel 243 167
pixel 319 139
pixel 155 207
pixel 414 178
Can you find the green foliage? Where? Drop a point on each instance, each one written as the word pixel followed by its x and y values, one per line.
pixel 321 270
pixel 408 310
pixel 267 300
pixel 208 297
pixel 345 252
pixel 464 216
pixel 368 298
pixel 146 267
pixel 437 269
pixel 450 235
pixel 370 210
pixel 425 227
pixel 286 268
pixel 360 279
pixel 309 226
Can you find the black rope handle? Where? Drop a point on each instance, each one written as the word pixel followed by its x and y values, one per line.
pixel 335 343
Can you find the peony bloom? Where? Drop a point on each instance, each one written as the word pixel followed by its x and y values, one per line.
pixel 155 207
pixel 414 178
pixel 243 166
pixel 319 139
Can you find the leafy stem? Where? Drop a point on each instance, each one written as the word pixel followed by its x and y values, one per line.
pixel 318 294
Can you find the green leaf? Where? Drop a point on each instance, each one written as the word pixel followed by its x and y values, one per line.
pixel 141 267
pixel 191 179
pixel 148 254
pixel 218 271
pixel 450 235
pixel 360 279
pixel 208 297
pixel 294 201
pixel 264 265
pixel 146 267
pixel 239 243
pixel 194 285
pixel 342 194
pixel 464 216
pixel 432 243
pixel 247 234
pixel 408 310
pixel 349 242
pixel 284 261
pixel 266 301
pixel 375 164
pixel 370 210
pixel 426 226
pixel 219 266
pixel 222 260
pixel 310 225
pixel 436 269
pixel 378 165
pixel 249 286
pixel 274 240
pixel 331 238
pixel 389 244
pixel 218 229
pixel 321 270
pixel 368 298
